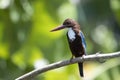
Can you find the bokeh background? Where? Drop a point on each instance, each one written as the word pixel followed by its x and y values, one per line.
pixel 26 42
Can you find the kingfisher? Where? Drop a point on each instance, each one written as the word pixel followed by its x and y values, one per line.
pixel 75 39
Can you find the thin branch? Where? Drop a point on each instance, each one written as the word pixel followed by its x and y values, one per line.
pixel 94 57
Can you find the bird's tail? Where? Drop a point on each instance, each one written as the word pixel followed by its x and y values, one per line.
pixel 80 65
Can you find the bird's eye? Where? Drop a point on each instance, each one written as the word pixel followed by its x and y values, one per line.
pixel 67 23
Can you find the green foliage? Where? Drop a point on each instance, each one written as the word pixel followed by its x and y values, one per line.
pixel 27 43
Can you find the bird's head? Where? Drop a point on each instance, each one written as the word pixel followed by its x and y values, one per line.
pixel 68 23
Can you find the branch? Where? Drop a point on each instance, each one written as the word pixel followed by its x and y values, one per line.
pixel 95 57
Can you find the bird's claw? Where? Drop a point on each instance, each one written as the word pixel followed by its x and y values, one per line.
pixel 71 58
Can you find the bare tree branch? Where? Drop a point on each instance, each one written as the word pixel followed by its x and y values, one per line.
pixel 94 57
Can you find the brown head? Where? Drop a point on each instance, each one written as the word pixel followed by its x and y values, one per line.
pixel 68 23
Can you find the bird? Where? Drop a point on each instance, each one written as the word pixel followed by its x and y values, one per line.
pixel 76 40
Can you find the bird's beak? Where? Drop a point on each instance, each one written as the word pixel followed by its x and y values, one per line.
pixel 58 28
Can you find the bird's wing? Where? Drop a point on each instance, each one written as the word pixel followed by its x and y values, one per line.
pixel 83 40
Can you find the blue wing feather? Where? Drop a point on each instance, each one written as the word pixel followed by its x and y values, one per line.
pixel 83 40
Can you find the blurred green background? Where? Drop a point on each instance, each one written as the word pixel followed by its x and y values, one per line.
pixel 26 42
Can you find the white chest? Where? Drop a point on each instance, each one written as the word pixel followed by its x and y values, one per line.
pixel 71 34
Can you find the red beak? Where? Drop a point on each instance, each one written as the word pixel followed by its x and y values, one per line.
pixel 58 28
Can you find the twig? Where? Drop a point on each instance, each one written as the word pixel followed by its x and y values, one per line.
pixel 32 74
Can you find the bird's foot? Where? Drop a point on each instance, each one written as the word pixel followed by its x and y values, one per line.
pixel 83 57
pixel 71 58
